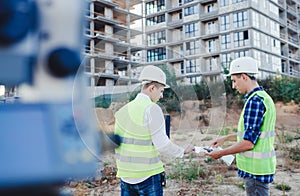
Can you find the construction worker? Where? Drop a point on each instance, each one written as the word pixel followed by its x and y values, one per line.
pixel 255 154
pixel 141 126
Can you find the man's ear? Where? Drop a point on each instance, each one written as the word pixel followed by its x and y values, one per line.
pixel 245 76
pixel 151 87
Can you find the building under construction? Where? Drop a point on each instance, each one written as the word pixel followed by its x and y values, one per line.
pixel 114 33
pixel 197 39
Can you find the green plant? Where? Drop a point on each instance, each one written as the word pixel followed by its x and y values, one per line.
pixel 283 187
pixel 280 89
pixel 219 178
pixel 102 102
pixel 288 138
pixel 294 153
pixel 106 163
pixel 170 102
pixel 209 160
pixel 224 131
pixel 241 185
pixel 207 138
pixel 203 118
pixel 283 89
pixel 170 76
pixel 281 135
pixel 187 170
pixel 133 94
pixel 202 91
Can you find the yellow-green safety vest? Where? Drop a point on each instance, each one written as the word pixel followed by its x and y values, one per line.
pixel 136 156
pixel 261 160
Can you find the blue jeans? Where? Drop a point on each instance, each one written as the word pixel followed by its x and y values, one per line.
pixel 256 188
pixel 150 187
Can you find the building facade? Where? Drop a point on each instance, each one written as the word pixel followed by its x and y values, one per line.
pixel 195 39
pixel 199 38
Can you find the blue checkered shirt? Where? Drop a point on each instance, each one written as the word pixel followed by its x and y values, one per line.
pixel 253 119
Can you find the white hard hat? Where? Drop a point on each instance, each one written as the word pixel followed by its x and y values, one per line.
pixel 153 74
pixel 246 65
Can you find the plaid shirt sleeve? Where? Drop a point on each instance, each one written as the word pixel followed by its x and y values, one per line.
pixel 253 118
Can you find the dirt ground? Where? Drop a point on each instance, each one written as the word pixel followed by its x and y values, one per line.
pixel 201 127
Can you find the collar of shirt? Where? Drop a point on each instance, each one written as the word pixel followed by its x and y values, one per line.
pixel 143 95
pixel 260 88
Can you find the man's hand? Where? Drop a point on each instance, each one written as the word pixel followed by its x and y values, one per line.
pixel 218 142
pixel 215 154
pixel 189 148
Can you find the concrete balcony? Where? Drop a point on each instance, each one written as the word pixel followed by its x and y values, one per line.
pixel 175 23
pixel 209 16
pixel 291 9
pixel 293 40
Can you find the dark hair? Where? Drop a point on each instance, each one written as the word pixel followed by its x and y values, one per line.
pixel 249 75
pixel 156 84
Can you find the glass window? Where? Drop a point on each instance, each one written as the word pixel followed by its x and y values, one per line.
pixel 276 63
pixel 212 46
pixel 241 53
pixel 265 41
pixel 275 28
pixel 256 55
pixel 212 62
pixel 256 39
pixel 190 66
pixel 274 9
pixel 187 1
pixel 255 19
pixel 156 54
pixel 155 6
pixel 263 21
pixel 225 23
pixel 225 41
pixel 182 68
pixel 156 38
pixel 191 30
pixel 241 39
pixel 237 1
pixel 192 47
pixel 264 4
pixel 240 19
pixel 155 20
pixel 275 46
pixel 194 79
pixel 211 27
pixel 224 3
pixel 210 8
pixel 189 10
pixel 225 60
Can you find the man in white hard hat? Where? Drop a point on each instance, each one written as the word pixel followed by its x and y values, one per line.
pixel 141 126
pixel 255 154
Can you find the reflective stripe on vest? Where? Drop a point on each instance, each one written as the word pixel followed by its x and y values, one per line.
pixel 134 141
pixel 142 160
pixel 258 155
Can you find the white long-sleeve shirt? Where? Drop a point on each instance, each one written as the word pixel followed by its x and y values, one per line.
pixel 154 120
